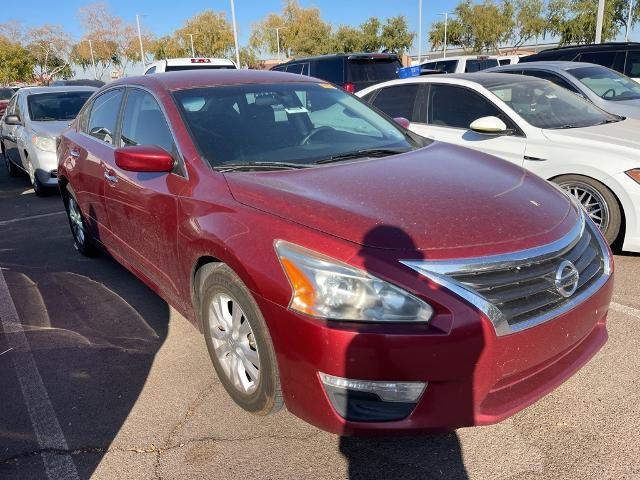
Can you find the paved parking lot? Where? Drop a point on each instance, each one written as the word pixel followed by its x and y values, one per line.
pixel 101 378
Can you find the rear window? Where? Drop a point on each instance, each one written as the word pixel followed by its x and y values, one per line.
pixel 373 70
pixel 610 59
pixel 178 68
pixel 330 69
pixel 478 65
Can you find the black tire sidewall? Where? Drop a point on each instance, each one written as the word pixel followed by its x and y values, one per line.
pixel 264 399
pixel 86 248
pixel 615 215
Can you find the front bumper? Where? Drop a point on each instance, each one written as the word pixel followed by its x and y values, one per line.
pixel 45 165
pixel 628 192
pixel 473 376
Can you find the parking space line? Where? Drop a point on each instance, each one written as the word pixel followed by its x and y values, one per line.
pixel 32 217
pixel 43 417
pixel 618 307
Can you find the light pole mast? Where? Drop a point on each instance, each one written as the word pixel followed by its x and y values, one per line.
pixel 419 31
pixel 446 21
pixel 599 19
pixel 93 61
pixel 626 33
pixel 142 59
pixel 193 52
pixel 235 33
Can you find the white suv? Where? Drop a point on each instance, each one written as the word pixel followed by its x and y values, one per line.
pixel 461 63
pixel 175 64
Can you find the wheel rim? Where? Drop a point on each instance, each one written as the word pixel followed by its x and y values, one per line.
pixel 75 218
pixel 592 201
pixel 234 343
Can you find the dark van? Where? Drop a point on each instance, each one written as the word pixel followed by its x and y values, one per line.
pixel 351 71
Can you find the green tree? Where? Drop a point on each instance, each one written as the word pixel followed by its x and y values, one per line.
pixel 574 21
pixel 348 39
pixel 529 21
pixel 168 47
pixel 371 41
pixel 16 63
pixel 212 34
pixel 396 36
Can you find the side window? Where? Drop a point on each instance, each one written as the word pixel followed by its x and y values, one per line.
pixel 295 68
pixel 447 66
pixel 398 101
pixel 16 108
pixel 143 122
pixel 552 77
pixel 103 117
pixel 151 70
pixel 279 68
pixel 369 96
pixel 610 59
pixel 330 69
pixel 11 105
pixel 633 64
pixel 458 107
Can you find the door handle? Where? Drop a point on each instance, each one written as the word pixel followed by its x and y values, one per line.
pixel 110 178
pixel 74 153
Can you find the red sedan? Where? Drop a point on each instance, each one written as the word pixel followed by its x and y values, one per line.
pixel 371 280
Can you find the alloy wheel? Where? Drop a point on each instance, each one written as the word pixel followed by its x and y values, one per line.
pixel 592 201
pixel 75 218
pixel 234 343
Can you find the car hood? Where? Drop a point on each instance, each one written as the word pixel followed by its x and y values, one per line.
pixel 447 199
pixel 52 128
pixel 621 136
pixel 626 108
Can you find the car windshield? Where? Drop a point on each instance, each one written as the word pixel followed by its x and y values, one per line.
pixel 44 107
pixel 607 84
pixel 546 105
pixel 288 124
pixel 5 93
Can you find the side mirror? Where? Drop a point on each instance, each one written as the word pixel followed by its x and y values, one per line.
pixel 144 158
pixel 489 126
pixel 403 122
pixel 12 120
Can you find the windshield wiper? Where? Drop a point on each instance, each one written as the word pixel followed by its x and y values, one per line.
pixel 369 152
pixel 247 167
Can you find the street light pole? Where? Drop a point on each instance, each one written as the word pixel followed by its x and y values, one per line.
pixel 278 39
pixel 235 33
pixel 93 61
pixel 626 33
pixel 193 52
pixel 419 32
pixel 599 21
pixel 142 59
pixel 446 21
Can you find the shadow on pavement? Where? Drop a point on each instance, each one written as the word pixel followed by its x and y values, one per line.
pixel 93 330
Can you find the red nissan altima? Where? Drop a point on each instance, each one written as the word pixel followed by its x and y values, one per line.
pixel 370 280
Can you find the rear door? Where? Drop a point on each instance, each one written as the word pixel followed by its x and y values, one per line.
pixel 142 207
pixel 400 101
pixel 450 111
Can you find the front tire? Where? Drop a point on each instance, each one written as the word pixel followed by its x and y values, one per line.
pixel 12 169
pixel 82 240
pixel 598 201
pixel 238 340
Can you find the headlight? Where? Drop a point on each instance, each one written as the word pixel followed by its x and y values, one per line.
pixel 634 173
pixel 41 142
pixel 326 288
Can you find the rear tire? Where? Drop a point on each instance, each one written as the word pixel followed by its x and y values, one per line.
pixel 82 239
pixel 238 340
pixel 599 202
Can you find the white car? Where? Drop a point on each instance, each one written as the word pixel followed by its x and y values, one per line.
pixel 461 63
pixel 176 64
pixel 34 119
pixel 536 124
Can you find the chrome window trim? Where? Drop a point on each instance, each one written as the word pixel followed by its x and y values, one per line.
pixel 438 271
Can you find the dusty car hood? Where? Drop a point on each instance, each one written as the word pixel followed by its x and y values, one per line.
pixel 619 136
pixel 626 108
pixel 442 197
pixel 51 129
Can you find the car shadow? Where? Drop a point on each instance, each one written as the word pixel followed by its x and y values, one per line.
pixel 93 330
pixel 421 456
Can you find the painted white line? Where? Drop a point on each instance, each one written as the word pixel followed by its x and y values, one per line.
pixel 43 417
pixel 618 307
pixel 7 350
pixel 32 217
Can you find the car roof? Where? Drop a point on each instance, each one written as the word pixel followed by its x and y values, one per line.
pixel 199 78
pixel 591 46
pixel 363 56
pixel 548 64
pixel 462 57
pixel 66 88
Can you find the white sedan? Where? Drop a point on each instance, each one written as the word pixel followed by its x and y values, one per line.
pixel 536 124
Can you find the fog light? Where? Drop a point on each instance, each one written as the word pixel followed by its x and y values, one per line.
pixel 372 401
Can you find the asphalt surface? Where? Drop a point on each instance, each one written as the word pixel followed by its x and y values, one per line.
pixel 101 378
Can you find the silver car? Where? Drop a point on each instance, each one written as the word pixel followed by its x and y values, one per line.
pixel 34 119
pixel 611 91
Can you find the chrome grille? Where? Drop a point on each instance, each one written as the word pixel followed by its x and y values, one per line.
pixel 521 290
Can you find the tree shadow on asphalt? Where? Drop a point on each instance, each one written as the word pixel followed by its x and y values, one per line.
pixel 429 456
pixel 93 330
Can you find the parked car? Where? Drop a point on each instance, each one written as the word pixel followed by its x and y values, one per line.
pixel 508 59
pixel 351 71
pixel 79 82
pixel 605 88
pixel 535 124
pixel 178 64
pixel 34 118
pixel 5 95
pixel 372 280
pixel 623 57
pixel 461 64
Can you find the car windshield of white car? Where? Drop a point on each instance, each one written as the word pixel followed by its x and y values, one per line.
pixel 56 106
pixel 546 105
pixel 5 93
pixel 286 125
pixel 606 83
